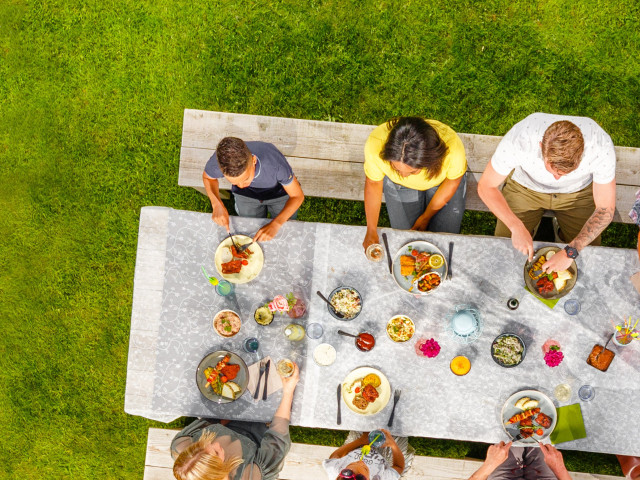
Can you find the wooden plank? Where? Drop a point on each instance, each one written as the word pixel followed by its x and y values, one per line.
pixel 294 137
pixel 342 142
pixel 305 461
pixel 345 181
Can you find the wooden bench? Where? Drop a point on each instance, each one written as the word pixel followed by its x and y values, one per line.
pixel 305 462
pixel 327 157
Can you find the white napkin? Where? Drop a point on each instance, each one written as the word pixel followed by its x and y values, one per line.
pixel 275 383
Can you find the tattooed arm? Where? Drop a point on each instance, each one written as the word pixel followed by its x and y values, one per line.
pixel 604 196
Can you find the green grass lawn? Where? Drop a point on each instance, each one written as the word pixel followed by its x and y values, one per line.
pixel 91 101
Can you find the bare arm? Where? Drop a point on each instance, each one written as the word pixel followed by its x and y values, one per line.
pixel 553 459
pixel 496 455
pixel 604 196
pixel 489 192
pixel 296 197
pixel 220 214
pixel 398 457
pixel 372 203
pixel 357 443
pixel 445 192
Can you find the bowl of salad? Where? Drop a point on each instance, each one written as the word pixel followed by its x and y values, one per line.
pixel 508 350
pixel 347 301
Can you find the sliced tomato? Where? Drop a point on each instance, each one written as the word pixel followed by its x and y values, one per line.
pixel 223 379
pixel 539 432
pixel 245 262
pixel 357 389
pixel 414 252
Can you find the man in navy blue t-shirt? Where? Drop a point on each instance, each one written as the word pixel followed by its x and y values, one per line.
pixel 262 182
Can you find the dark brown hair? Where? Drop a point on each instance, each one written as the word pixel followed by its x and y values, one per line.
pixel 233 156
pixel 415 143
pixel 562 146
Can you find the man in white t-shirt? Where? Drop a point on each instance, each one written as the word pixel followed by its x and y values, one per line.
pixel 559 163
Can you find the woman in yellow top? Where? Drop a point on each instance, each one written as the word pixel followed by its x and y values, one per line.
pixel 420 165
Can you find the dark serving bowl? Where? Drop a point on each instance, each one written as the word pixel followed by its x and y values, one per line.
pixel 499 361
pixel 333 314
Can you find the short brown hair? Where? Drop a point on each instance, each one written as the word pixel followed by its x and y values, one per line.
pixel 562 146
pixel 233 156
pixel 196 463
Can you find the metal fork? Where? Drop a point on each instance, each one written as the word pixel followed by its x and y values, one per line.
pixel 263 367
pixel 244 247
pixel 232 240
pixel 396 397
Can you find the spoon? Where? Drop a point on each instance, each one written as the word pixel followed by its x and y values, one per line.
pixel 338 314
pixel 603 349
pixel 364 341
pixel 342 332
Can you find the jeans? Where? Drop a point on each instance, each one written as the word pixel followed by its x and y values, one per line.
pixel 526 463
pixel 250 207
pixel 405 205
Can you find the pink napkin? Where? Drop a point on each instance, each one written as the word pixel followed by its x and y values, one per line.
pixel 274 385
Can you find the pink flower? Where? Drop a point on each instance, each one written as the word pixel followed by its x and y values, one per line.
pixel 553 358
pixel 430 348
pixel 279 304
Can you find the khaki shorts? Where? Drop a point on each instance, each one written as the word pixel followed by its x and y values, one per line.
pixel 572 210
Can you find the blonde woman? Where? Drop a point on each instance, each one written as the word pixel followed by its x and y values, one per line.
pixel 234 450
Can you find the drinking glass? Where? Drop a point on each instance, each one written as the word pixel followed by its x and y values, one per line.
pixel 572 307
pixel 314 331
pixel 251 345
pixel 224 288
pixel 381 438
pixel 586 393
pixel 562 392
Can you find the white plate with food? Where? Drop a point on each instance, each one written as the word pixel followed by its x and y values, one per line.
pixel 239 267
pixel 222 376
pixel 549 286
pixel 531 413
pixel 400 328
pixel 413 262
pixel 366 390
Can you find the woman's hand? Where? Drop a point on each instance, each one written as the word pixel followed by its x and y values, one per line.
pixel 388 441
pixel 370 238
pixel 289 383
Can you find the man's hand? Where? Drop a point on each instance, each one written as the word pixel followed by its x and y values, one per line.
pixel 522 241
pixel 221 216
pixel 267 232
pixel 557 263
pixel 553 458
pixel 497 454
pixel 370 238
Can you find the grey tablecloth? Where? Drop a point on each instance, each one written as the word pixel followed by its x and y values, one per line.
pixel 306 257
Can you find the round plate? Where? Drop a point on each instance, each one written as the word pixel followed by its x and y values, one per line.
pixel 248 272
pixel 546 406
pixel 210 360
pixel 524 350
pixel 554 294
pixel 333 314
pixel 384 390
pixel 405 283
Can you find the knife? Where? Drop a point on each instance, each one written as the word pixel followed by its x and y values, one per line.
pixel 266 380
pixel 386 245
pixel 449 273
pixel 339 419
